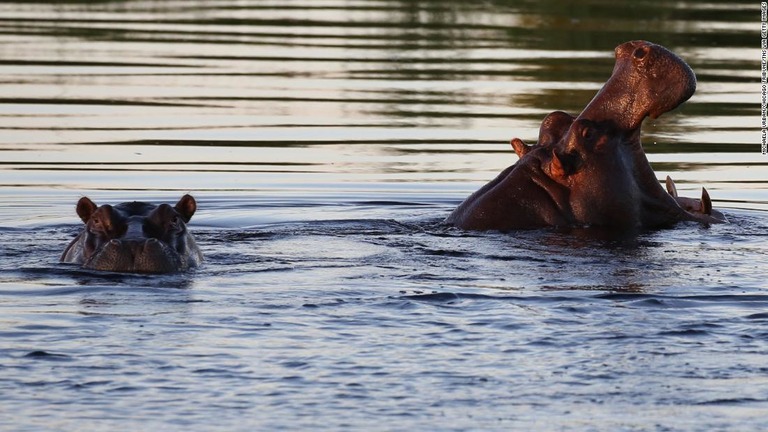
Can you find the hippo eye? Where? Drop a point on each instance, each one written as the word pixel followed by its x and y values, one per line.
pixel 97 225
pixel 172 224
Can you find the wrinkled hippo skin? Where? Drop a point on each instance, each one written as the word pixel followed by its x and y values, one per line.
pixel 135 237
pixel 591 170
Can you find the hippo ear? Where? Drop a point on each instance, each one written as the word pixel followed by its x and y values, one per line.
pixel 186 207
pixel 557 165
pixel 85 208
pixel 520 147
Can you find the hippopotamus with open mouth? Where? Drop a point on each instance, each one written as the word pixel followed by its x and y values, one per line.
pixel 135 237
pixel 591 170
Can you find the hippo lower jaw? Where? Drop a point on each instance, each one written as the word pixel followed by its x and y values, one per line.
pixel 699 210
pixel 142 256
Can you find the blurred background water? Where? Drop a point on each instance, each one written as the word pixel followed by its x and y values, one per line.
pixel 324 141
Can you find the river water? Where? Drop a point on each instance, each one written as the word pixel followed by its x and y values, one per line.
pixel 325 141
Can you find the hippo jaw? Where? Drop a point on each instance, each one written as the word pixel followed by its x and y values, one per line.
pixel 136 256
pixel 135 237
pixel 647 80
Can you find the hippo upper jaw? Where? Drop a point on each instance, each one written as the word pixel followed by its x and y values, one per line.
pixel 137 256
pixel 647 80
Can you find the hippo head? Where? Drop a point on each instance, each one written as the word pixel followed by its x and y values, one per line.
pixel 647 80
pixel 592 169
pixel 135 237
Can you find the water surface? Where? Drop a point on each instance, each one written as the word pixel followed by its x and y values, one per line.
pixel 325 141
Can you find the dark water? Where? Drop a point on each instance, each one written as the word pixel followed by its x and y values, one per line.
pixel 325 141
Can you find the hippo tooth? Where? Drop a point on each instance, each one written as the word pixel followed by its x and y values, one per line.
pixel 671 188
pixel 706 202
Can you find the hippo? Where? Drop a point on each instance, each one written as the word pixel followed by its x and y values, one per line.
pixel 135 237
pixel 590 169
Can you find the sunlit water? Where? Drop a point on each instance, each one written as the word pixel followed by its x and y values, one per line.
pixel 325 142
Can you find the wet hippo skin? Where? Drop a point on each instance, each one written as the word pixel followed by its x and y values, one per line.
pixel 135 237
pixel 591 170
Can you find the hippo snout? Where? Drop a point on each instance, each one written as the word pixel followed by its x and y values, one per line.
pixel 666 79
pixel 135 248
pixel 136 256
pixel 647 80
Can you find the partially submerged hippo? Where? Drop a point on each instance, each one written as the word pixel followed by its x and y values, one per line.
pixel 591 170
pixel 135 237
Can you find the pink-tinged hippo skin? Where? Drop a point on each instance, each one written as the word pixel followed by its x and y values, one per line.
pixel 135 237
pixel 591 170
pixel 700 208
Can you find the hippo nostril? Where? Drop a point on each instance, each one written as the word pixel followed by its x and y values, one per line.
pixel 151 244
pixel 641 52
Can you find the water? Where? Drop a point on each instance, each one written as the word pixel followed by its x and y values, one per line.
pixel 325 141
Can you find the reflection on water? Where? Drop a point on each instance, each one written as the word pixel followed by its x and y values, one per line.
pixel 325 140
pixel 173 95
pixel 344 323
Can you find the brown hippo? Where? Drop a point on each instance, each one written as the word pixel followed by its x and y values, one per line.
pixel 591 169
pixel 135 237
